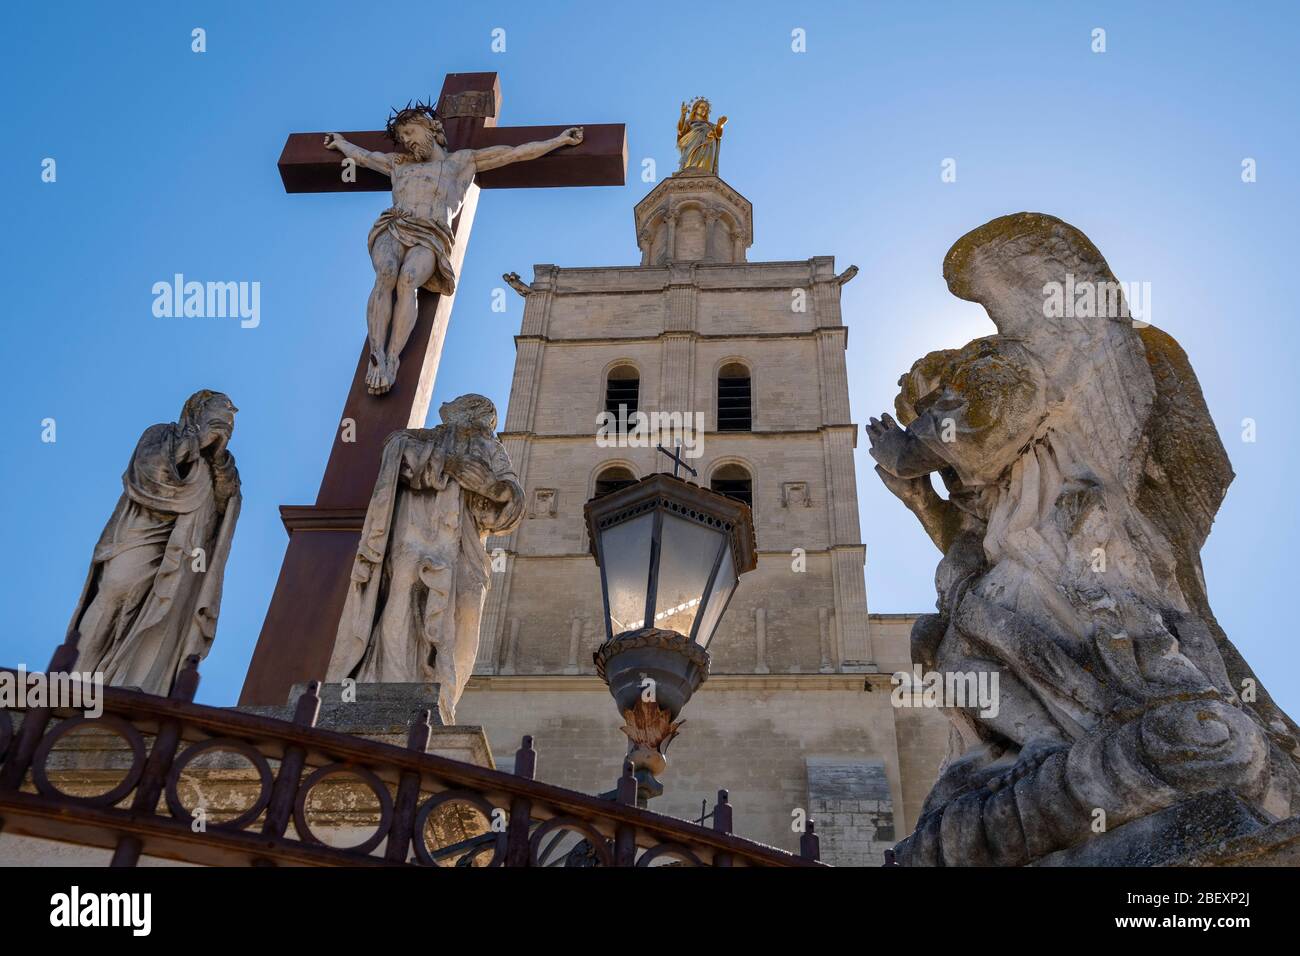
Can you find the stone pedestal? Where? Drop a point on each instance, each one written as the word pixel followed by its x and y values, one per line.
pixel 384 712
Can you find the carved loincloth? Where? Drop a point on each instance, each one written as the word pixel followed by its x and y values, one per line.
pixel 413 231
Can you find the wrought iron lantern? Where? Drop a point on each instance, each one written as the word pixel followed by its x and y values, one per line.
pixel 671 555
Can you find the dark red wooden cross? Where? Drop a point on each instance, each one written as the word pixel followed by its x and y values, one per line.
pixel 298 632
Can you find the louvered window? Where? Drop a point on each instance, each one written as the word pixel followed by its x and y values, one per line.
pixel 735 411
pixel 734 482
pixel 623 387
pixel 612 479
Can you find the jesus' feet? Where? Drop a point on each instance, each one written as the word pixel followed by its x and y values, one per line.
pixel 374 374
pixel 390 373
pixel 381 374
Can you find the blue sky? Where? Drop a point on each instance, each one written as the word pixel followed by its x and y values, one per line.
pixel 166 163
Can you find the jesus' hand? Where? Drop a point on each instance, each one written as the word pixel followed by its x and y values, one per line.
pixel 335 141
pixel 571 136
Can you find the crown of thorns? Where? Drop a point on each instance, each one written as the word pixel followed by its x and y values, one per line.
pixel 408 112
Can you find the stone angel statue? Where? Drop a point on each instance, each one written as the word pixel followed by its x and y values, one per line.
pixel 1083 473
pixel 699 139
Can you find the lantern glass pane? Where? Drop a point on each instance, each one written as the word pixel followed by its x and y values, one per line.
pixel 723 585
pixel 625 557
pixel 687 552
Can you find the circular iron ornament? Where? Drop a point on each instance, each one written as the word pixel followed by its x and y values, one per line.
pixel 467 859
pixel 599 842
pixel 6 732
pixel 476 801
pixel 376 786
pixel 119 726
pixel 669 849
pixel 245 750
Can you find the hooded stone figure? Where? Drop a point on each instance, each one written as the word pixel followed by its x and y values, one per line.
pixel 421 571
pixel 153 591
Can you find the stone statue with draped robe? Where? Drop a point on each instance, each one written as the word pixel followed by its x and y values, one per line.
pixel 153 591
pixel 422 571
pixel 1083 473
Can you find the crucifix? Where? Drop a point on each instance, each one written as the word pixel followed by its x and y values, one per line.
pixel 386 395
pixel 678 463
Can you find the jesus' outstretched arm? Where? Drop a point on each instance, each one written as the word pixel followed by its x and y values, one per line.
pixel 379 162
pixel 495 156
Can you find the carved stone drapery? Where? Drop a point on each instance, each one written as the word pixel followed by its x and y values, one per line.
pixel 416 596
pixel 153 591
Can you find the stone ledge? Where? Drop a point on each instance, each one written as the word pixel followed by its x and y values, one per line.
pixel 383 712
pixel 569 683
pixel 651 337
pixel 1176 836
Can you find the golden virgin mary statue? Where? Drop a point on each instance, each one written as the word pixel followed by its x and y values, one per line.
pixel 699 139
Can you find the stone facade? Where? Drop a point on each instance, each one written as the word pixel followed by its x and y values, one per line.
pixel 800 672
pixel 851 802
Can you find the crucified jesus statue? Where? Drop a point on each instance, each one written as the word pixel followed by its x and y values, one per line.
pixel 410 243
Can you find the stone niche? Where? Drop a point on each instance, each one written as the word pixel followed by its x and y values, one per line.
pixel 693 217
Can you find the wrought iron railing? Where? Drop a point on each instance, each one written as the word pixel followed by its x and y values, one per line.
pixel 523 821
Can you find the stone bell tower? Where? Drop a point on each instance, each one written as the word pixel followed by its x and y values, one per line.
pixel 796 714
pixel 693 217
